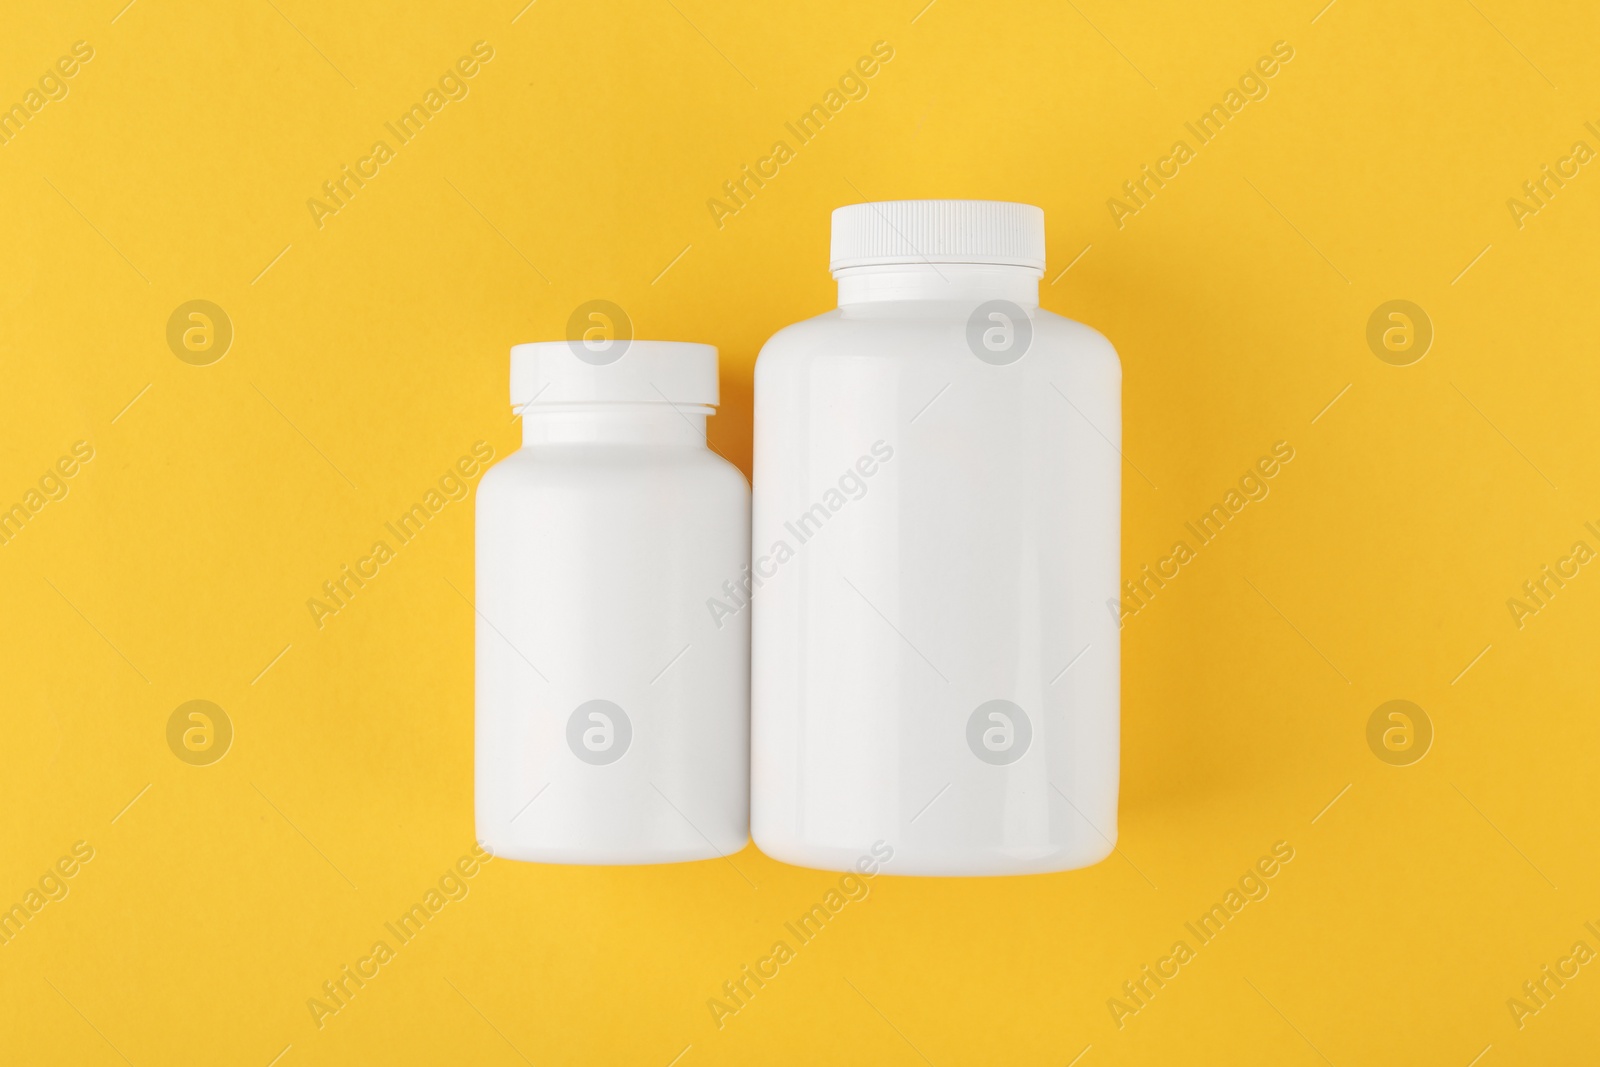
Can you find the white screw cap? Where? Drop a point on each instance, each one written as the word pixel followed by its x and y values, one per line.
pixel 626 371
pixel 938 231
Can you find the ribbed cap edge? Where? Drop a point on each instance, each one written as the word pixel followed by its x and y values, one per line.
pixel 937 231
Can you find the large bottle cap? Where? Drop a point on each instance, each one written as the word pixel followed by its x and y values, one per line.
pixel 614 371
pixel 938 231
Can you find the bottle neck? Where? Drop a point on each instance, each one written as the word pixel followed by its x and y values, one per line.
pixel 938 281
pixel 666 425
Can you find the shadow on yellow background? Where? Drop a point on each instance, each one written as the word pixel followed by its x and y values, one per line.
pixel 1243 236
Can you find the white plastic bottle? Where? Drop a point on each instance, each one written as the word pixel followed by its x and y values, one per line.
pixel 612 706
pixel 937 495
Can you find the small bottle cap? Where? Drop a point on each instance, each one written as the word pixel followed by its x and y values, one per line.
pixel 938 231
pixel 616 371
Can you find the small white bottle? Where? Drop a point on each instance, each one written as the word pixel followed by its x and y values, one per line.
pixel 612 705
pixel 937 495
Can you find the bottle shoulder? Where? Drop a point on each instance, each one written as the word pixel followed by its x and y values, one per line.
pixel 607 466
pixel 917 330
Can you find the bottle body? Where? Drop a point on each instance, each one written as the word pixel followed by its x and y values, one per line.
pixel 612 708
pixel 936 536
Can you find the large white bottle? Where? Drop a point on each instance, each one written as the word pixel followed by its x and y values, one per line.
pixel 936 522
pixel 612 704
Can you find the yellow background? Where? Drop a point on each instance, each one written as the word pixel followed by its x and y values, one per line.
pixel 372 353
